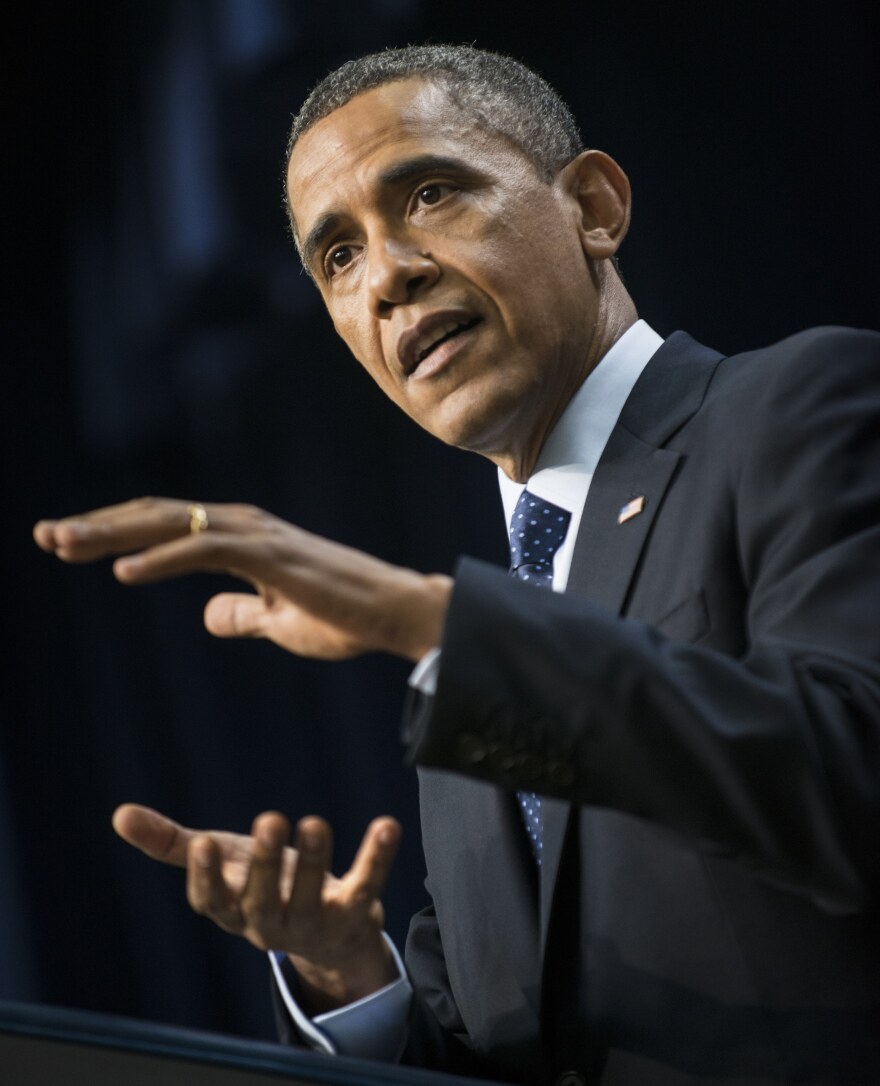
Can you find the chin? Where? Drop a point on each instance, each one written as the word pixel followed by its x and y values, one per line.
pixel 483 427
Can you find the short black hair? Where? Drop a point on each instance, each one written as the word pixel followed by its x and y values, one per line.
pixel 503 95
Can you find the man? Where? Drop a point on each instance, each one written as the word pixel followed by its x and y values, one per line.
pixel 689 734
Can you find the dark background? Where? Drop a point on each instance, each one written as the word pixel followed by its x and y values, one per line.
pixel 160 338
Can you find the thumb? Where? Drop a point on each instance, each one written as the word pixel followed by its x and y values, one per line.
pixel 153 833
pixel 236 614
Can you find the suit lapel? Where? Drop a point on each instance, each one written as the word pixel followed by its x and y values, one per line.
pixel 633 465
pixel 499 880
pixel 605 559
pixel 635 470
pixel 607 552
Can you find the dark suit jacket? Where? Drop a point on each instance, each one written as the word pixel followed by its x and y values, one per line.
pixel 707 907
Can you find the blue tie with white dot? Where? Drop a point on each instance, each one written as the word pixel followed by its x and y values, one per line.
pixel 537 531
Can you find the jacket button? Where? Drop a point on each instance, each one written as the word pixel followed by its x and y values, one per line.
pixel 570 1078
pixel 471 749
pixel 501 757
pixel 530 766
pixel 562 774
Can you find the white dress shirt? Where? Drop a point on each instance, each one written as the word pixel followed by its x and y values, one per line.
pixel 565 466
pixel 375 1027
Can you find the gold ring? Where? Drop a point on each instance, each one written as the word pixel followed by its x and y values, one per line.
pixel 198 519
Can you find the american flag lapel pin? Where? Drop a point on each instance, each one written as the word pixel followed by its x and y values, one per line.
pixel 631 509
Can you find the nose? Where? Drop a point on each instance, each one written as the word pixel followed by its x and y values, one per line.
pixel 398 270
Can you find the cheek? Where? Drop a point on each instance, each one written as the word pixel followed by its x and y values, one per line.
pixel 525 254
pixel 356 332
pixel 365 344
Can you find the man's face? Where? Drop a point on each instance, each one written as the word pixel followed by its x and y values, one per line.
pixel 453 271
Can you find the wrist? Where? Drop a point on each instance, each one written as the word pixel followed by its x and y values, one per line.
pixel 423 614
pixel 326 988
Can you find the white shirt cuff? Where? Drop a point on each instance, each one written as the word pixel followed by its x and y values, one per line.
pixel 424 676
pixel 372 1028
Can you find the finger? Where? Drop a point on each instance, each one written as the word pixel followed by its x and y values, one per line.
pixel 206 889
pixel 314 844
pixel 261 905
pixel 375 857
pixel 152 833
pixel 193 553
pixel 44 534
pixel 115 529
pixel 236 614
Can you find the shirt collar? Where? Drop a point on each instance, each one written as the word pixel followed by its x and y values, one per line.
pixel 570 454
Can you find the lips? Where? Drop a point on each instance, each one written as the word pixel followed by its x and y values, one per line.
pixel 418 341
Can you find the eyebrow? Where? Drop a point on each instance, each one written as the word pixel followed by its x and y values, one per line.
pixel 410 168
pixel 398 173
pixel 325 226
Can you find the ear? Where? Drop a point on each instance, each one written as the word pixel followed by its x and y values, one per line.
pixel 601 199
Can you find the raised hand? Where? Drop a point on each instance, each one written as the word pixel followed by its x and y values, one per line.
pixel 313 597
pixel 280 898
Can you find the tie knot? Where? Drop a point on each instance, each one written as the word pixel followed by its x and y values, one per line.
pixel 537 531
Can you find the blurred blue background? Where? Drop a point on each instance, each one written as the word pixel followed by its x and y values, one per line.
pixel 162 339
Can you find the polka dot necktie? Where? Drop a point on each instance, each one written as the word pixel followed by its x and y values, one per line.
pixel 537 531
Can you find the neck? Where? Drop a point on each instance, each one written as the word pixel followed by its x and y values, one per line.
pixel 617 313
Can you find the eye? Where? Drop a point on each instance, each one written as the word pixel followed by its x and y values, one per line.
pixel 430 194
pixel 338 258
pixel 433 193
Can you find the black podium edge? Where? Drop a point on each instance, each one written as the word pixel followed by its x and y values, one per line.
pixel 102 1030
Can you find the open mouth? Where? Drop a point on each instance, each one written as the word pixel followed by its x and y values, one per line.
pixel 444 336
pixel 439 335
pixel 424 339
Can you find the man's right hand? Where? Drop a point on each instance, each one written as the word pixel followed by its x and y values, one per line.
pixel 283 898
pixel 312 597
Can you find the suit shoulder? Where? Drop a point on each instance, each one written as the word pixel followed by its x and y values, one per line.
pixel 804 368
pixel 817 346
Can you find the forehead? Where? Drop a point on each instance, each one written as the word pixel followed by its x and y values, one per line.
pixel 361 139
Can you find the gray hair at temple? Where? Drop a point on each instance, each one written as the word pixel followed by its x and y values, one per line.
pixel 503 95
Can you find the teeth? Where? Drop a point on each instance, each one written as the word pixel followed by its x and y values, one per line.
pixel 432 338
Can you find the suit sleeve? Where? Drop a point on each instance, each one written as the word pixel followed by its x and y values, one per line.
pixel 770 756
